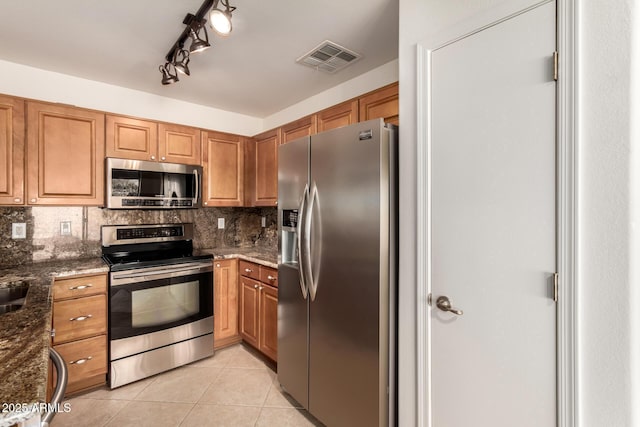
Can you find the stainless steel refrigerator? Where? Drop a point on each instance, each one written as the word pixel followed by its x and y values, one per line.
pixel 337 204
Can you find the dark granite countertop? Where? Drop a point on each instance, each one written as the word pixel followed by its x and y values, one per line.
pixel 259 255
pixel 25 333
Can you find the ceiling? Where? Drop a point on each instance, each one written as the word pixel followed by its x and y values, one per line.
pixel 252 71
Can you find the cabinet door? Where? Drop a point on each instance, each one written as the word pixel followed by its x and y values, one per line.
pixel 266 169
pixel 337 116
pixel 79 318
pixel 223 169
pixel 11 151
pixel 65 155
pixel 303 127
pixel 179 144
pixel 382 103
pixel 249 306
pixel 225 301
pixel 269 321
pixel 85 359
pixel 129 138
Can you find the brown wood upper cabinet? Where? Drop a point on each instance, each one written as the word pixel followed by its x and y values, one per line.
pixel 223 169
pixel 265 168
pixel 337 116
pixel 381 103
pixel 136 139
pixel 305 126
pixel 11 151
pixel 65 155
pixel 130 138
pixel 178 144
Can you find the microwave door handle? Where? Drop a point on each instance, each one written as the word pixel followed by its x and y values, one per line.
pixel 197 186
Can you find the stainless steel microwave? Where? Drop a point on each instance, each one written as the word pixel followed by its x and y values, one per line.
pixel 137 184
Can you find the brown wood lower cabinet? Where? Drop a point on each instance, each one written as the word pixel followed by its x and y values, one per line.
pixel 259 310
pixel 80 324
pixel 225 303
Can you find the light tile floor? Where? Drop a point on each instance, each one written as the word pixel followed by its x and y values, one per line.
pixel 234 387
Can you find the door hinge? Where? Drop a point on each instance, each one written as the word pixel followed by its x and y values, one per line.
pixel 555 287
pixel 555 65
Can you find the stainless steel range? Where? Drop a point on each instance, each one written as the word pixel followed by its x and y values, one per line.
pixel 160 300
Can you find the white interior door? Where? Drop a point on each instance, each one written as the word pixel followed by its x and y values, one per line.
pixel 493 225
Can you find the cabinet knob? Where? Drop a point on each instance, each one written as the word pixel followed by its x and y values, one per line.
pixel 261 288
pixel 275 203
pixel 271 277
pixel 248 270
pixel 218 265
pixel 153 157
pixel 255 286
pixel 17 200
pixel 205 203
pixel 34 200
pixel 163 158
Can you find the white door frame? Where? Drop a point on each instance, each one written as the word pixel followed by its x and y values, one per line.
pixel 567 214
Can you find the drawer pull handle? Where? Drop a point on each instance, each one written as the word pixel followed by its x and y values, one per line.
pixel 80 361
pixel 80 287
pixel 248 270
pixel 81 318
pixel 271 277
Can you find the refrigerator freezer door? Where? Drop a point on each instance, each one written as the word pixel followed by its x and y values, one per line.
pixel 349 236
pixel 293 355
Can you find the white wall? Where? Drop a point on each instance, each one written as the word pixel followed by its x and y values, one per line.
pixel 378 77
pixel 608 210
pixel 28 82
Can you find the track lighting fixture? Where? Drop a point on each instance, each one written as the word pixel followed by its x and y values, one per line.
pixel 178 58
pixel 167 76
pixel 198 44
pixel 181 61
pixel 220 20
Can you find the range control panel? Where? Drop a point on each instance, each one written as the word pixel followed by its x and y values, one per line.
pixel 150 232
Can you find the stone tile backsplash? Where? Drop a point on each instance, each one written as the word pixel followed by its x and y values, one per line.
pixel 44 240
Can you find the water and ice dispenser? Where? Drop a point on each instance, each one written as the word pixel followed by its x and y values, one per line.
pixel 289 243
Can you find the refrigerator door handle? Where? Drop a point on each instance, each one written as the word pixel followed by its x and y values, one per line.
pixel 301 216
pixel 313 285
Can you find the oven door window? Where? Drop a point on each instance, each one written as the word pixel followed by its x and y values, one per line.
pixel 155 305
pixel 164 304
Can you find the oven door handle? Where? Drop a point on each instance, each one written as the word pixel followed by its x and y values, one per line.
pixel 118 279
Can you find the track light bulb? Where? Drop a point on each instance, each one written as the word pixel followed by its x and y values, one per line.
pixel 220 21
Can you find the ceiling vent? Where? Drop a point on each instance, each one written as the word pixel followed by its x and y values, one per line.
pixel 329 57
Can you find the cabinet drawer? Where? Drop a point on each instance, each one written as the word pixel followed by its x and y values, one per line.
pixel 269 276
pixel 84 358
pixel 79 286
pixel 79 318
pixel 249 269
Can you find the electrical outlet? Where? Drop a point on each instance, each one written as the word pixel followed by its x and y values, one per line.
pixel 220 223
pixel 264 221
pixel 19 230
pixel 65 228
